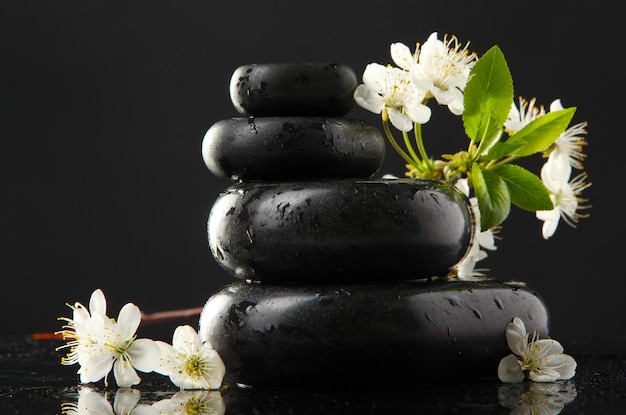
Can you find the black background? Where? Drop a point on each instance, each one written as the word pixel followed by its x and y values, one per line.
pixel 104 105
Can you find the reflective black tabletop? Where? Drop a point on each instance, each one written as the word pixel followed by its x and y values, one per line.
pixel 32 381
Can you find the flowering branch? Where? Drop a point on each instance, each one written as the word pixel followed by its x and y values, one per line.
pixel 100 344
pixel 500 134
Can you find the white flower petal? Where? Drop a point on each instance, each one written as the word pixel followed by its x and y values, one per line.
pixel 556 105
pixel 369 99
pixel 548 347
pixel 456 106
pixel 79 316
pixel 550 220
pixel 516 336
pixel 186 338
pixel 95 366
pixel 125 374
pixel 402 56
pixel 543 375
pixel 98 302
pixel 128 320
pixel 145 355
pixel 417 112
pixel 567 367
pixel 509 370
pixel 167 361
pixel 214 376
pixel 375 76
pixel 399 120
pixel 556 172
pixel 463 186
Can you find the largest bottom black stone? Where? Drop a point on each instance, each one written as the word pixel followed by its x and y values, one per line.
pixel 373 335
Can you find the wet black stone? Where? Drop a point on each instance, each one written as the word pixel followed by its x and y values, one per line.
pixel 288 148
pixel 282 89
pixel 339 230
pixel 366 335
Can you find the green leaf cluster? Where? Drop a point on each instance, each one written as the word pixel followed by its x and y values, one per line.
pixel 497 182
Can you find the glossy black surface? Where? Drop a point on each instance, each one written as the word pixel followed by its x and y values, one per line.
pixel 33 382
pixel 341 230
pixel 292 148
pixel 295 335
pixel 280 89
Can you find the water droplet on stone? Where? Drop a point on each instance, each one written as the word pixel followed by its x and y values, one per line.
pixel 477 313
pixel 250 234
pixel 454 300
pixel 219 253
pixel 244 272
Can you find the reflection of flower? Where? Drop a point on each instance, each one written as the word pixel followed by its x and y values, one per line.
pixel 536 398
pixel 94 403
pixel 542 360
pixel 192 403
pixel 99 343
pixel 189 363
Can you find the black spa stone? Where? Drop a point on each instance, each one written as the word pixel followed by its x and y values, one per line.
pixel 291 148
pixel 339 230
pixel 282 89
pixel 367 335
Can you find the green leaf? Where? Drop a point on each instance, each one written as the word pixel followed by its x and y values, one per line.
pixel 534 137
pixel 488 97
pixel 493 197
pixel 525 188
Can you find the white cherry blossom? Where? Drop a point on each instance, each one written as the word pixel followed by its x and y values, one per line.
pixel 571 142
pixel 541 360
pixel 76 332
pixel 565 194
pixel 520 117
pixel 389 90
pixel 100 344
pixel 443 70
pixel 189 363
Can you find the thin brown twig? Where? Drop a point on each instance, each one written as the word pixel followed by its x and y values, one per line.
pixel 146 319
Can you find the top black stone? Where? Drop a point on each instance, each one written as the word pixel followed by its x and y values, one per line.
pixel 284 89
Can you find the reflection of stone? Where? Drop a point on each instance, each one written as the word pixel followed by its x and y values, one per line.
pixel 536 398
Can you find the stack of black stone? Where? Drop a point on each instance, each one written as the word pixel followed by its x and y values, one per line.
pixel 336 271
